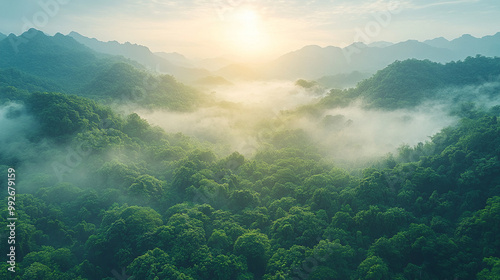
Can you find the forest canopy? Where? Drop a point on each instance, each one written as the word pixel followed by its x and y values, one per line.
pixel 165 206
pixel 102 193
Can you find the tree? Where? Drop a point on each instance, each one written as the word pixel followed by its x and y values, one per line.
pixel 229 267
pixel 155 264
pixel 373 268
pixel 38 271
pixel 219 241
pixel 254 246
pixel 147 187
pixel 490 274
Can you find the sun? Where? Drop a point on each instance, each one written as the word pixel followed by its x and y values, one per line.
pixel 246 32
pixel 248 18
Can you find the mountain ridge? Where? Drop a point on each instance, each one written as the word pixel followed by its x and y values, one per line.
pixel 143 55
pixel 408 83
pixel 58 58
pixel 313 61
pixel 59 62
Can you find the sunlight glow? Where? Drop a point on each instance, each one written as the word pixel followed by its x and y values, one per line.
pixel 246 32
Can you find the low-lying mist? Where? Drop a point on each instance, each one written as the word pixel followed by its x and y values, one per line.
pixel 354 134
pixel 245 118
pixel 16 128
pixel 245 112
pixel 238 114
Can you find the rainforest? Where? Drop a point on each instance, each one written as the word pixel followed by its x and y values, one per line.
pixel 121 163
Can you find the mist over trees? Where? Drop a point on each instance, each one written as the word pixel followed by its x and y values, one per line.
pixel 104 193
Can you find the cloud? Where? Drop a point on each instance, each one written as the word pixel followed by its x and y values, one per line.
pixel 17 128
pixel 420 5
pixel 237 117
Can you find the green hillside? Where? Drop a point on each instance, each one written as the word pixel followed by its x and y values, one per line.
pixel 405 84
pixel 165 206
pixel 59 63
pixel 101 195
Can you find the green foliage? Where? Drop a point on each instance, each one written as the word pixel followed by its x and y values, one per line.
pixel 373 268
pixel 167 207
pixel 405 84
pixel 37 62
pixel 490 274
pixel 123 83
pixel 305 84
pixel 14 78
pixel 60 115
pixel 254 246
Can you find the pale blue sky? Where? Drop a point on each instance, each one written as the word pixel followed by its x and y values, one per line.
pixel 252 28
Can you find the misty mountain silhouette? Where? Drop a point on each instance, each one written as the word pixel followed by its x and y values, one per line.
pixel 380 44
pixel 176 58
pixel 62 63
pixel 309 62
pixel 57 58
pixel 36 61
pixel 468 45
pixel 313 62
pixel 142 55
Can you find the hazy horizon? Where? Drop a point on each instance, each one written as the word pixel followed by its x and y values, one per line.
pixel 252 30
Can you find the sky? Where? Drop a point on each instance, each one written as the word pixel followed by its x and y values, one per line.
pixel 252 29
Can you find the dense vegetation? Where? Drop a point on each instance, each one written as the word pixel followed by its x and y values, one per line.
pixel 166 207
pixel 405 84
pixel 106 196
pixel 35 61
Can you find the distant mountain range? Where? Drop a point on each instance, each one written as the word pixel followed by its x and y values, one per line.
pixel 468 45
pixel 176 58
pixel 59 59
pixel 181 69
pixel 35 61
pixel 309 62
pixel 313 62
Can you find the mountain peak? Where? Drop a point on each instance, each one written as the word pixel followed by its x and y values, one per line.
pixel 439 42
pixel 411 42
pixel 467 37
pixel 74 33
pixel 32 32
pixel 358 45
pixel 438 39
pixel 311 48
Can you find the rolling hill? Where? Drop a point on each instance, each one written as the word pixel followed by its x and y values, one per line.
pixel 408 83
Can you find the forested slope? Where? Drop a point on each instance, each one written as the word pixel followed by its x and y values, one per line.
pixel 37 62
pixel 406 84
pixel 118 193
